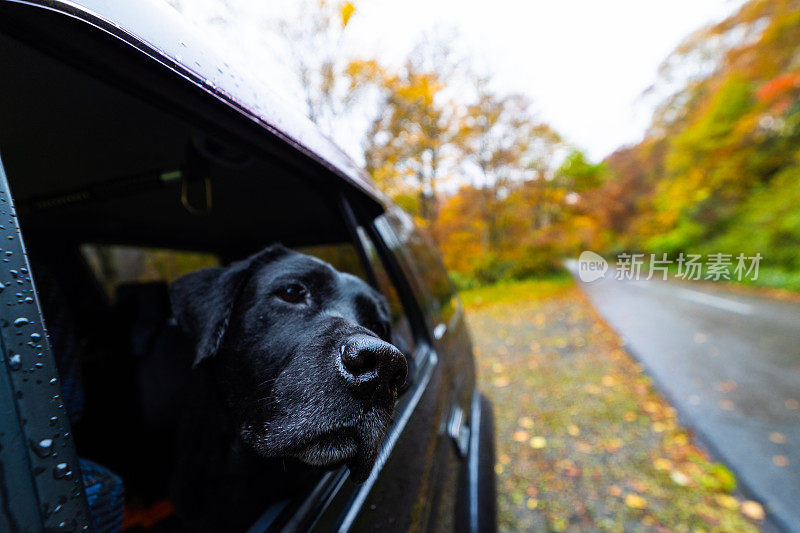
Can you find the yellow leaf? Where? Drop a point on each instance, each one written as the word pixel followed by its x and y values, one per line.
pixel 532 503
pixel 346 10
pixel 526 422
pixel 573 430
pixel 679 478
pixel 726 501
pixel 780 460
pixel 520 436
pixel 663 464
pixel 777 438
pixel 752 510
pixel 538 443
pixel 501 381
pixel 635 501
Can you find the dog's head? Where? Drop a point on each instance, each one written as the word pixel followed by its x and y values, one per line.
pixel 302 355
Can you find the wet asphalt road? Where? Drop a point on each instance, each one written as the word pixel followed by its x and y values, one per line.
pixel 730 364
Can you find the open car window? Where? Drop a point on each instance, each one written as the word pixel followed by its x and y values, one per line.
pixel 118 265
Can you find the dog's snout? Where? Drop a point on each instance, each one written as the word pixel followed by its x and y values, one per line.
pixel 374 369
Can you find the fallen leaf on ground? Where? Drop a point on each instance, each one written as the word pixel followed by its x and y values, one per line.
pixel 727 501
pixel 526 422
pixel 501 381
pixel 635 501
pixel 679 478
pixel 520 436
pixel 780 460
pixel 777 438
pixel 752 510
pixel 538 443
pixel 663 464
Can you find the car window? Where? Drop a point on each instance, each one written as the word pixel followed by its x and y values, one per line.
pixel 419 255
pixel 402 334
pixel 115 265
pixel 343 256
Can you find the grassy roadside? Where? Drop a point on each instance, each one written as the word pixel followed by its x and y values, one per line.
pixel 584 440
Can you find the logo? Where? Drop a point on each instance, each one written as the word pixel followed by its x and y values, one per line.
pixel 591 267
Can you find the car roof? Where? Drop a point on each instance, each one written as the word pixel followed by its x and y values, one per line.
pixel 159 34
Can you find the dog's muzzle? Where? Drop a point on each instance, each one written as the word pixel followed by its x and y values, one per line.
pixel 374 370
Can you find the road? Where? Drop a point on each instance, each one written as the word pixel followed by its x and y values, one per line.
pixel 730 364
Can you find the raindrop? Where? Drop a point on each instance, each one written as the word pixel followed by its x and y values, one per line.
pixel 14 273
pixel 44 447
pixel 61 471
pixel 35 337
pixel 21 321
pixel 15 362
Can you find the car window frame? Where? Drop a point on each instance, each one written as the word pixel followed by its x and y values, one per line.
pixel 36 398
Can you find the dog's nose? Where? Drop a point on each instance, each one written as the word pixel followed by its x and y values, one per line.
pixel 375 370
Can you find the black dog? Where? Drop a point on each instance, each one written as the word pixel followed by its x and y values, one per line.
pixel 293 361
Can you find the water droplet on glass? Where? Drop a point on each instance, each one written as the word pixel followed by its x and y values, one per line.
pixel 15 362
pixel 61 470
pixel 44 447
pixel 21 321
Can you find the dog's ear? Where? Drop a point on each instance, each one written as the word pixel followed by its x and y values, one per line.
pixel 203 301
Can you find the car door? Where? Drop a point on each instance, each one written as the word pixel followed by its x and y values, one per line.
pixel 40 479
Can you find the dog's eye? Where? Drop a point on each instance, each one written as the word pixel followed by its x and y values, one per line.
pixel 379 328
pixel 294 293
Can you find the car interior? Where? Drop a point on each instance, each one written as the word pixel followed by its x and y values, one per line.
pixel 116 198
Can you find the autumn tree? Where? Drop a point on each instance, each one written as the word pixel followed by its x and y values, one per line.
pixel 314 37
pixel 412 142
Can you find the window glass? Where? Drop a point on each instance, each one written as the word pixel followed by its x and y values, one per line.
pixel 418 253
pixel 402 334
pixel 343 256
pixel 116 265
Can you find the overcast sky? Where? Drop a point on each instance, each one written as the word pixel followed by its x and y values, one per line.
pixel 584 63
